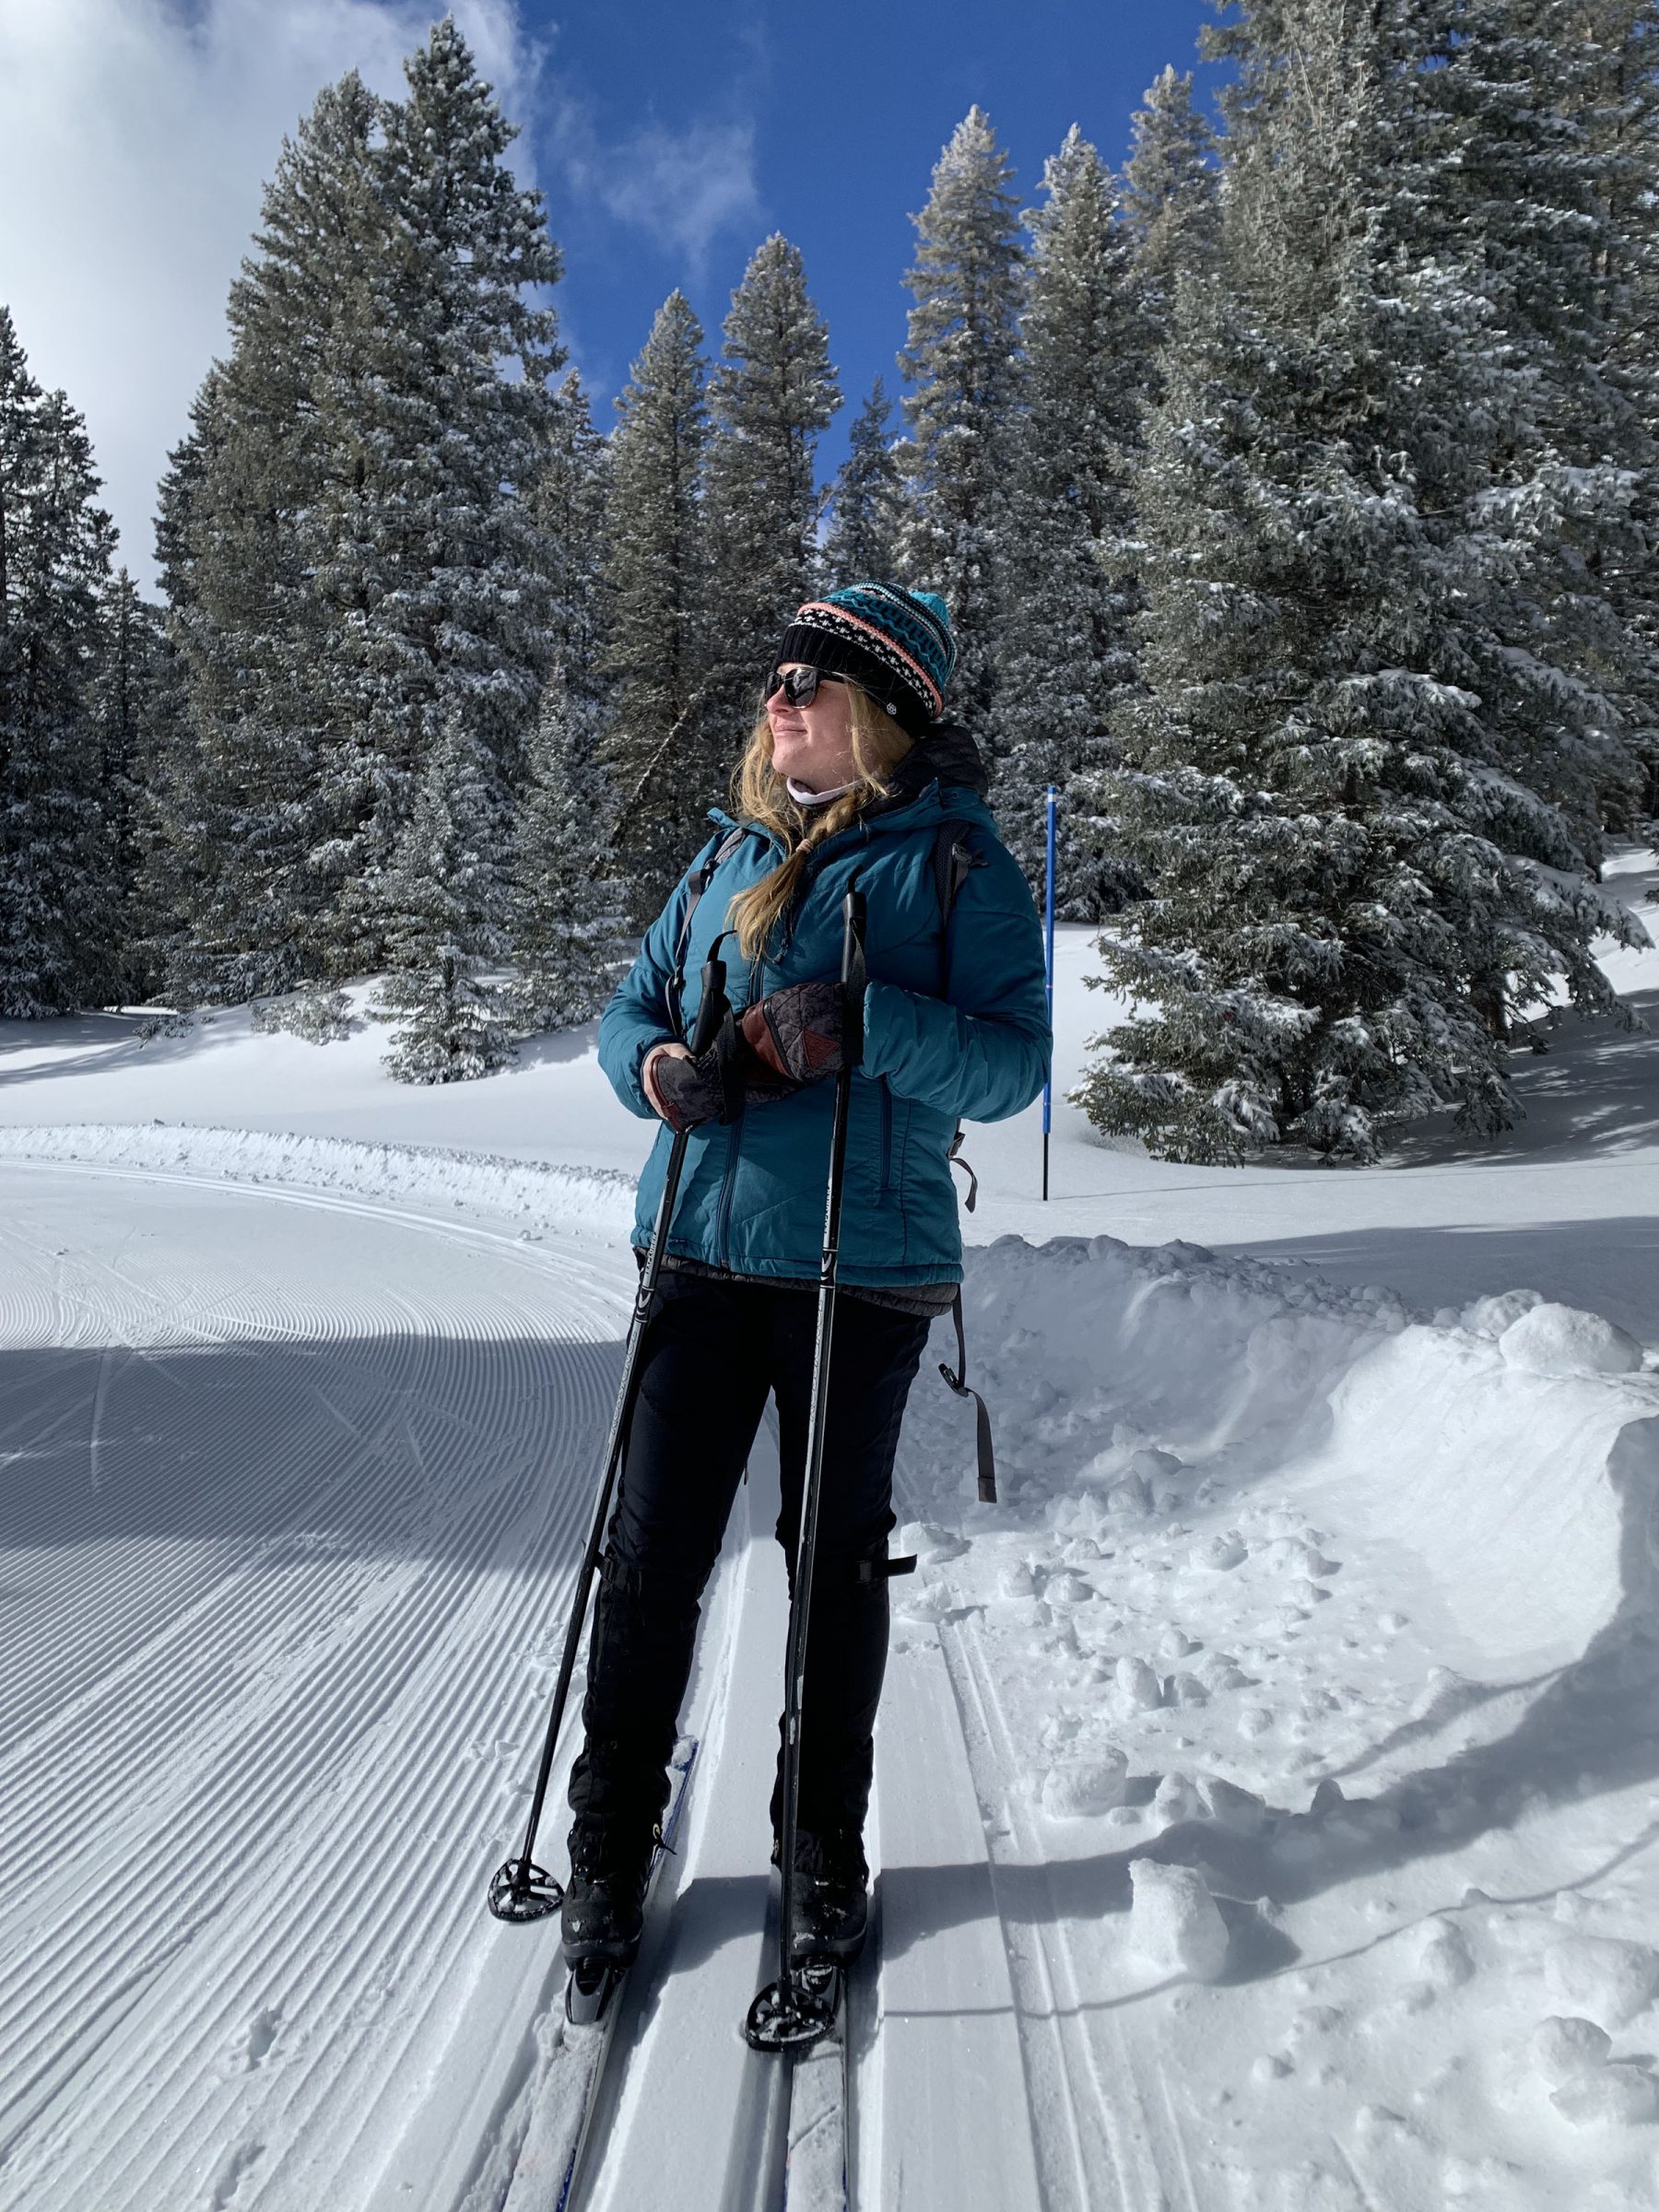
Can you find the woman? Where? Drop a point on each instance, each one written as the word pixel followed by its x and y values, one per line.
pixel 849 771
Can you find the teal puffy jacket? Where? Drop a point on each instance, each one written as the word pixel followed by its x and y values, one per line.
pixel 752 1197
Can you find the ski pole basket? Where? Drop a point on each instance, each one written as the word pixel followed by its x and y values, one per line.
pixel 523 1890
pixel 797 2012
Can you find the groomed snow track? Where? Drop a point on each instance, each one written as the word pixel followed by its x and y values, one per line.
pixel 294 1484
pixel 1349 1620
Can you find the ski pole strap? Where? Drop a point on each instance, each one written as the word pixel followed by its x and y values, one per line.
pixel 959 1382
pixel 954 860
pixel 878 1570
pixel 955 1158
pixel 699 882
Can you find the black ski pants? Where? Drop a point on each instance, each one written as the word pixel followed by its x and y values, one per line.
pixel 713 1349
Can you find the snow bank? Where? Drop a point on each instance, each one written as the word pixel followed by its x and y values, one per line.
pixel 596 1199
pixel 1521 1496
pixel 1498 1469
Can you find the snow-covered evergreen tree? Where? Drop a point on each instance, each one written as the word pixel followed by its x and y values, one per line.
pixel 1622 128
pixel 434 416
pixel 1349 888
pixel 245 789
pixel 58 911
pixel 1066 653
pixel 962 360
pixel 135 698
pixel 668 758
pixel 771 396
pixel 1169 190
pixel 176 862
pixel 1525 98
pixel 567 905
pixel 445 901
pixel 352 512
pixel 868 509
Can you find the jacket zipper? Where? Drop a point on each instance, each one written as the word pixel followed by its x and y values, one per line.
pixel 722 1212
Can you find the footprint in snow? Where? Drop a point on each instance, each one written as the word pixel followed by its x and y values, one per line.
pixel 250 2045
pixel 227 2176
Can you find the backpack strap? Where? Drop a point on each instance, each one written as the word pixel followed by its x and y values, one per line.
pixel 701 879
pixel 954 860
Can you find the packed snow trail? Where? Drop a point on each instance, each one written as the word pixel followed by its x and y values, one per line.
pixel 293 1492
pixel 1267 1791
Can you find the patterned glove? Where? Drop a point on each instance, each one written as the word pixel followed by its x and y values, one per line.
pixel 716 1085
pixel 692 1088
pixel 800 1032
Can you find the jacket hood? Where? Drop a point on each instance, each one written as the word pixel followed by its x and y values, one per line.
pixel 943 753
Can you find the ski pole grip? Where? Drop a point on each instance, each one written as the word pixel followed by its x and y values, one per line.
pixel 854 976
pixel 712 1008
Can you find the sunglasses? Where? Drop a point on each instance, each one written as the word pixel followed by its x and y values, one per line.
pixel 799 686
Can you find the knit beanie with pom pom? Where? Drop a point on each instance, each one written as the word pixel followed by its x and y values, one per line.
pixel 896 644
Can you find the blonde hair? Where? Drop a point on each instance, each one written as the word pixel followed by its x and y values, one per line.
pixel 760 794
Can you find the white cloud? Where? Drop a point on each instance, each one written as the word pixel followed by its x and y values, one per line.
pixel 682 187
pixel 135 135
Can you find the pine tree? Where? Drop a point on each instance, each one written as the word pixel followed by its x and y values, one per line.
pixel 352 515
pixel 134 698
pixel 567 913
pixel 177 859
pixel 246 815
pixel 867 509
pixel 1525 98
pixel 445 904
pixel 1067 650
pixel 669 758
pixel 1622 128
pixel 57 911
pixel 962 360
pixel 567 907
pixel 1168 191
pixel 1349 887
pixel 771 396
pixel 435 415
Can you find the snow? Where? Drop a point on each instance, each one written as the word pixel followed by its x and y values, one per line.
pixel 1174 1927
pixel 1266 1785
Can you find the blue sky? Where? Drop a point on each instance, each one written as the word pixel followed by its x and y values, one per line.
pixel 671 140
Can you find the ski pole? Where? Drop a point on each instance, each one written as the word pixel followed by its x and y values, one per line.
pixel 790 2013
pixel 520 1889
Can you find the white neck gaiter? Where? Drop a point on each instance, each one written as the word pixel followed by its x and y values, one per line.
pixel 804 797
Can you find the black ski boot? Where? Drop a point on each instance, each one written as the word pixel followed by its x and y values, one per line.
pixel 604 1898
pixel 831 1903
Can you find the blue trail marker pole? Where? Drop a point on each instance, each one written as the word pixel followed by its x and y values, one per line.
pixel 1048 970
